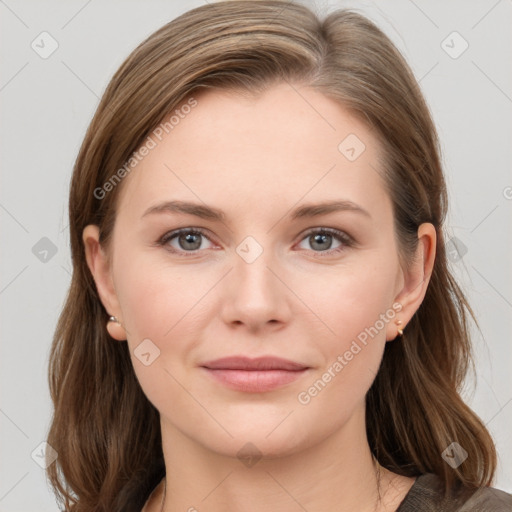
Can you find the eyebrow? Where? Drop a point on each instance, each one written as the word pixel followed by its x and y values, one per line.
pixel 211 213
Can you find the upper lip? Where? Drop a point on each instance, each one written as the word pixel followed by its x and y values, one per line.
pixel 259 363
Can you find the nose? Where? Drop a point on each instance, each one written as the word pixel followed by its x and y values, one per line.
pixel 255 294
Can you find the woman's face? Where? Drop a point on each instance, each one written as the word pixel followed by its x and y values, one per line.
pixel 272 277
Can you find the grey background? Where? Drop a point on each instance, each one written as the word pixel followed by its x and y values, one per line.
pixel 47 105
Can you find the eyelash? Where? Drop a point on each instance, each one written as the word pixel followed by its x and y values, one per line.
pixel 345 239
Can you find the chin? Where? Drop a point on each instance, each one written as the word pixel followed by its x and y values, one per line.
pixel 255 442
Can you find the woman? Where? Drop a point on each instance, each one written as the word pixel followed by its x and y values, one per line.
pixel 261 316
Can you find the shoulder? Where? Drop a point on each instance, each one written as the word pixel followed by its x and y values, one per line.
pixel 427 495
pixel 488 499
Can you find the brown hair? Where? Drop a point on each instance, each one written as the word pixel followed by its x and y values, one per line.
pixel 106 432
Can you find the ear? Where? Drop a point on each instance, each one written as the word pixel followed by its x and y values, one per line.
pixel 100 267
pixel 415 279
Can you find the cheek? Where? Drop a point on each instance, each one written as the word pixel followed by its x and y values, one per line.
pixel 163 303
pixel 153 293
pixel 159 305
pixel 356 308
pixel 353 299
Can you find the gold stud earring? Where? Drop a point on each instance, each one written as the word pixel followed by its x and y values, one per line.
pixel 115 329
pixel 400 331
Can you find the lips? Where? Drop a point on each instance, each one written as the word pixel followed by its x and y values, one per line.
pixel 254 375
pixel 248 364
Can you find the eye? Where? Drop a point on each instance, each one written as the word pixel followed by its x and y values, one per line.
pixel 321 240
pixel 185 240
pixel 191 241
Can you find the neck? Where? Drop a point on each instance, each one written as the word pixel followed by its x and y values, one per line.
pixel 338 473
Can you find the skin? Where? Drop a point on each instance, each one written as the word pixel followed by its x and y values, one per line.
pixel 257 158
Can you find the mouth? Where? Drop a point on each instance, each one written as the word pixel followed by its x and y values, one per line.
pixel 254 375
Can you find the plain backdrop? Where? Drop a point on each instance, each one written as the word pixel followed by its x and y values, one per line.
pixel 460 51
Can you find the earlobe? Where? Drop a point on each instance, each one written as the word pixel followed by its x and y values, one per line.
pixel 115 329
pixel 99 265
pixel 416 278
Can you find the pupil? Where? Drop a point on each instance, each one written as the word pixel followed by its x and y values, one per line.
pixel 189 239
pixel 321 238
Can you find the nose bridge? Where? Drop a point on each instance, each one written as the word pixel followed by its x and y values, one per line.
pixel 254 280
pixel 256 295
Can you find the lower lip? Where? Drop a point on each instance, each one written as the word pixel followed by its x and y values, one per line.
pixel 255 381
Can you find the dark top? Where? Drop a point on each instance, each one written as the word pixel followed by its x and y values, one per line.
pixel 426 495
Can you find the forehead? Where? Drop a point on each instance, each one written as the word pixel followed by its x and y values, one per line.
pixel 251 152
